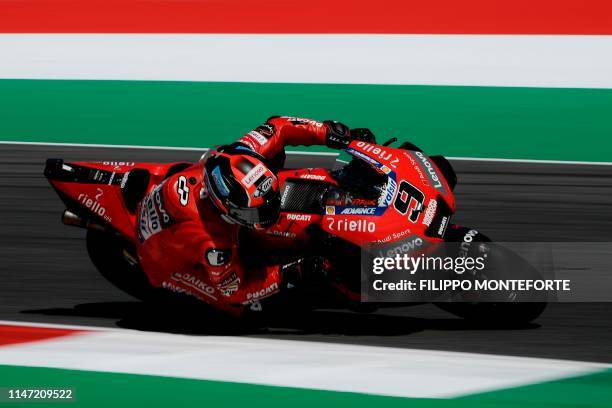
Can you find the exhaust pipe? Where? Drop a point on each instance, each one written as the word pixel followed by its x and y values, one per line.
pixel 71 219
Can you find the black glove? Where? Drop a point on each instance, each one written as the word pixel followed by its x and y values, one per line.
pixel 363 134
pixel 339 135
pixel 309 271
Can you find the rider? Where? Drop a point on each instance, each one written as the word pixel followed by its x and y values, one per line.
pixel 188 225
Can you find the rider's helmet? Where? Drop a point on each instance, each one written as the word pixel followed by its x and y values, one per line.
pixel 241 186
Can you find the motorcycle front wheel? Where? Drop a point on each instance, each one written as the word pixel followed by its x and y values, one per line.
pixel 519 307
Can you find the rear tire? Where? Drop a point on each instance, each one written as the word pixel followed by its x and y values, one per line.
pixel 108 254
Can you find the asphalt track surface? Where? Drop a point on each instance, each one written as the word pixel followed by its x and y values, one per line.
pixel 46 276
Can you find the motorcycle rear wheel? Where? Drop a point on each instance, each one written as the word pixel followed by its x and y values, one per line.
pixel 114 259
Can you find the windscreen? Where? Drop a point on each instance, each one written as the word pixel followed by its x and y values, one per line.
pixel 359 178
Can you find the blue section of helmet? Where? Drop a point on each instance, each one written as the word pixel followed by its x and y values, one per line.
pixel 244 148
pixel 218 179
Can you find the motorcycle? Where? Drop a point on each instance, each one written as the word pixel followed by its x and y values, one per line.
pixel 374 195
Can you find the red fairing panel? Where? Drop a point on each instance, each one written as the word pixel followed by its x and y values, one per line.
pixel 405 210
pixel 105 200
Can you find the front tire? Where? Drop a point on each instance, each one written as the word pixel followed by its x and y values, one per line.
pixel 495 314
pixel 520 308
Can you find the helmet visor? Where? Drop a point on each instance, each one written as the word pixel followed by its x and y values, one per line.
pixel 257 217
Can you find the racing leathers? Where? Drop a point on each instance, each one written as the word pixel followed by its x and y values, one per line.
pixel 186 247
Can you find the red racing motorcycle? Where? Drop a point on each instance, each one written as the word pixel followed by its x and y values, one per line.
pixel 399 199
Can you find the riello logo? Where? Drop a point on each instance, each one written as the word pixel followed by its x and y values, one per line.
pixel 346 225
pixel 382 154
pixel 93 205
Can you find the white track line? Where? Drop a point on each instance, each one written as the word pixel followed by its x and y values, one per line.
pixel 534 161
pixel 62 326
pixel 563 61
pixel 286 363
pixel 299 153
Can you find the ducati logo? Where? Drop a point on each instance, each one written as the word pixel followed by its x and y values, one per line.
pixel 299 217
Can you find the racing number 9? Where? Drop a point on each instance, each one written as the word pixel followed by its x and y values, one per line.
pixel 409 198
